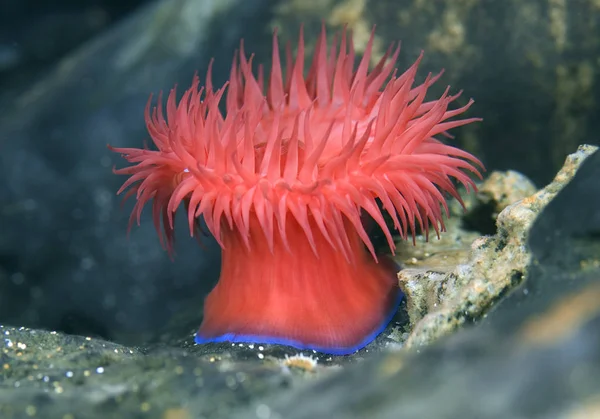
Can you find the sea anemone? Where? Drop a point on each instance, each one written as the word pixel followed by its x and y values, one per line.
pixel 285 179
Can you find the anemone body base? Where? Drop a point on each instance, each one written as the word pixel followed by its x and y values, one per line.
pixel 299 297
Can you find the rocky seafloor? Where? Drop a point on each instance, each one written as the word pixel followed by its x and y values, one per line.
pixel 501 317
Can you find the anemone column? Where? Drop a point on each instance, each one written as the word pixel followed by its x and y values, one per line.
pixel 300 295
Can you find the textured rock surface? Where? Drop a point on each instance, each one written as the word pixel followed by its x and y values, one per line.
pixel 502 189
pixel 494 265
pixel 50 375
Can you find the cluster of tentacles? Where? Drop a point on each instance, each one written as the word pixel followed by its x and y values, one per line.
pixel 323 148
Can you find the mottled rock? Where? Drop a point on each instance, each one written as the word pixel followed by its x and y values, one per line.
pixel 442 297
pixel 51 375
pixel 501 189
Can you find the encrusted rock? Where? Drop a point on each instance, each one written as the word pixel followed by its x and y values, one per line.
pixel 448 287
pixel 502 189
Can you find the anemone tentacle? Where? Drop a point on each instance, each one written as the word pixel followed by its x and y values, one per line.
pixel 317 148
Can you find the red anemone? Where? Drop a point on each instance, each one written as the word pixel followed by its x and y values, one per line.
pixel 283 179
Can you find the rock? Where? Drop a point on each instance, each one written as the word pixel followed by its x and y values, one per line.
pixel 501 189
pixel 52 375
pixel 441 298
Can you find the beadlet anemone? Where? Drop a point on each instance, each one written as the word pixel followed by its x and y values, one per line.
pixel 284 181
